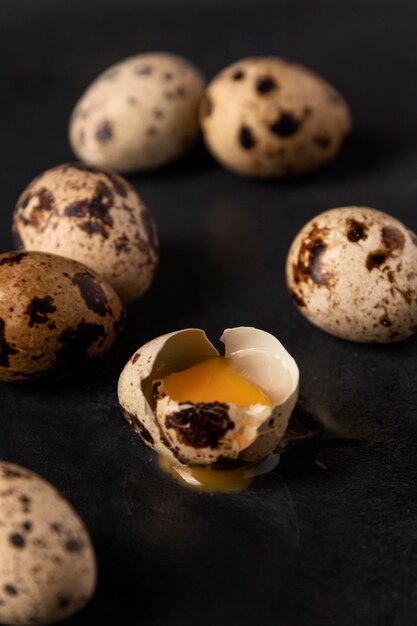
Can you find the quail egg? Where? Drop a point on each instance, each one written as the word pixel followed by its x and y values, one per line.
pixel 54 314
pixel 47 565
pixel 198 408
pixel 268 117
pixel 92 216
pixel 352 271
pixel 140 113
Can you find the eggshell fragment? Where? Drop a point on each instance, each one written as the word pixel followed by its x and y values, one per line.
pixel 140 113
pixel 216 433
pixel 268 117
pixel 352 271
pixel 92 216
pixel 54 314
pixel 47 565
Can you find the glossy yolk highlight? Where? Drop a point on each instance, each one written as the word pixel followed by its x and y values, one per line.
pixel 213 380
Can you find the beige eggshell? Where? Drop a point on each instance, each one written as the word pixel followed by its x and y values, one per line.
pixel 352 271
pixel 155 360
pixel 92 216
pixel 215 433
pixel 141 113
pixel 54 314
pixel 47 565
pixel 268 117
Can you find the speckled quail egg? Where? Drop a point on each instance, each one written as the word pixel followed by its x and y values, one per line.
pixel 352 271
pixel 92 216
pixel 268 117
pixel 54 314
pixel 140 113
pixel 196 407
pixel 47 565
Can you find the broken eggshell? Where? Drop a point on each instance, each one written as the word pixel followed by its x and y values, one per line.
pixel 217 434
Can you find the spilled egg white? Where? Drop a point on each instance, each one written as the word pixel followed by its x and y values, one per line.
pixel 218 434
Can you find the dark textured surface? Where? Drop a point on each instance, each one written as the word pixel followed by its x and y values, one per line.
pixel 330 536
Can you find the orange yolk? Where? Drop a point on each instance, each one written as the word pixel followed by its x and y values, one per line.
pixel 213 380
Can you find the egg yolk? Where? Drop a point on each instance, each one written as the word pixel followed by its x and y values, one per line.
pixel 213 380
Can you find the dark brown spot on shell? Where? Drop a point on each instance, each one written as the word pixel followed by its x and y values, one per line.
pixel 76 343
pixel 118 183
pixel 356 230
pixel 322 140
pixel 122 244
pixel 168 76
pixel 226 463
pixel 38 310
pixel 6 351
pixel 206 106
pixel 10 590
pixel 92 293
pixel 286 125
pixel 299 301
pixel 95 209
pixel 238 75
pixel 17 540
pixel 266 85
pixel 392 238
pixel 156 391
pixel 94 228
pixel 56 528
pixel 376 259
pixel 151 131
pixel 73 545
pixel 310 257
pixel 181 91
pixel 158 113
pixel 246 138
pixel 143 70
pixel 201 425
pixel 104 132
pixel 63 603
pixel 9 472
pixel 26 503
pixel 134 421
pixel 12 258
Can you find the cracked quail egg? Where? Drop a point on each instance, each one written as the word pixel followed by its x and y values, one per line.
pixel 47 565
pixel 140 113
pixel 267 117
pixel 92 216
pixel 199 408
pixel 352 271
pixel 54 314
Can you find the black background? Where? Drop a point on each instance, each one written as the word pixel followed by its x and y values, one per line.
pixel 304 544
